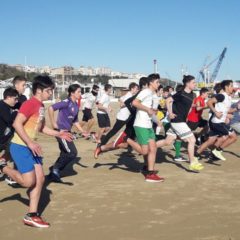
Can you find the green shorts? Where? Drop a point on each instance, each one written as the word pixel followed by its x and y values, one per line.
pixel 144 135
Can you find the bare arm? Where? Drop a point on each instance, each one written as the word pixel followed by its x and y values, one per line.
pixel 210 104
pixel 78 126
pixel 51 117
pixel 198 106
pixel 62 134
pixel 137 104
pixel 169 102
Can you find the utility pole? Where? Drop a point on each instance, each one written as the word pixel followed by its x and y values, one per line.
pixel 155 65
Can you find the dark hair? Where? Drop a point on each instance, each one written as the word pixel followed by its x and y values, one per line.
pixel 107 86
pixel 160 87
pixel 42 82
pixel 95 87
pixel 73 88
pixel 152 77
pixel 132 85
pixel 217 88
pixel 187 79
pixel 166 89
pixel 170 87
pixel 203 90
pixel 18 79
pixel 10 92
pixel 179 88
pixel 142 82
pixel 226 83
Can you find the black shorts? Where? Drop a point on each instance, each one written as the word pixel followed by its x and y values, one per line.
pixel 87 114
pixel 103 120
pixel 194 125
pixel 219 129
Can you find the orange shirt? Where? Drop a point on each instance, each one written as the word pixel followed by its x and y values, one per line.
pixel 33 110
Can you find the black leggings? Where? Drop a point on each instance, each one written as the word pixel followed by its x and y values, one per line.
pixel 117 126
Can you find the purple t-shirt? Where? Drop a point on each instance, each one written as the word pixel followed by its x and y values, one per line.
pixel 67 115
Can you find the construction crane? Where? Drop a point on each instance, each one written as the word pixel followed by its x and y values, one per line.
pixel 204 72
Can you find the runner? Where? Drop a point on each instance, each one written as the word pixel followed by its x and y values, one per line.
pixel 26 152
pixel 67 117
pixel 143 126
pixel 195 119
pixel 220 135
pixel 7 116
pixel 178 108
pixel 19 83
pixel 89 101
pixel 122 117
pixel 103 110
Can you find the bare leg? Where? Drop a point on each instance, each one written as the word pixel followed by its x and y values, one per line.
pixel 35 191
pixel 231 139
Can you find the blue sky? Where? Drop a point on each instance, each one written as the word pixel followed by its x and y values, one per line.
pixel 124 35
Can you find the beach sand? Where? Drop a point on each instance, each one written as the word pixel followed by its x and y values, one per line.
pixel 108 199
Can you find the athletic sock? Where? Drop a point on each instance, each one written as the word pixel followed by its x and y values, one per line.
pixel 177 146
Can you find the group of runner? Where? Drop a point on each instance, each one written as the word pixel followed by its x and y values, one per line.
pixel 145 110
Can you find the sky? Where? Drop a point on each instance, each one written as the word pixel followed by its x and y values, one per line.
pixel 124 35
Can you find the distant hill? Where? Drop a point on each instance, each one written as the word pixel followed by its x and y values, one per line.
pixel 7 72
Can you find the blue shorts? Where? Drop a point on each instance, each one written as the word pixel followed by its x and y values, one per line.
pixel 24 158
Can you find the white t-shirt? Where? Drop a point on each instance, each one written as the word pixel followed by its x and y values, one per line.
pixel 142 118
pixel 156 101
pixel 222 107
pixel 123 114
pixel 89 100
pixel 105 101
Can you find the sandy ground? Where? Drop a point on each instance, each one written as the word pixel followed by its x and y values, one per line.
pixel 109 199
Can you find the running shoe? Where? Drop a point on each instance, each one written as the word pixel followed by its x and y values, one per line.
pixel 218 154
pixel 97 152
pixel 10 181
pixel 54 175
pixel 196 166
pixel 120 139
pixel 180 159
pixel 34 220
pixel 153 177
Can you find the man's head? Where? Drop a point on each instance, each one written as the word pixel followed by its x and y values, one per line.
pixel 170 88
pixel 95 90
pixel 43 86
pixel 108 88
pixel 227 86
pixel 204 92
pixel 10 96
pixel 74 91
pixel 179 87
pixel 165 92
pixel 19 83
pixel 160 90
pixel 189 82
pixel 154 81
pixel 217 88
pixel 143 82
pixel 133 88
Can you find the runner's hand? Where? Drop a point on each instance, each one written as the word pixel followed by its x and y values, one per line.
pixel 172 115
pixel 66 135
pixel 150 111
pixel 35 148
pixel 218 114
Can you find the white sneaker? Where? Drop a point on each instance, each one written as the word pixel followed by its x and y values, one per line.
pixel 180 159
pixel 9 181
pixel 218 154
